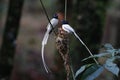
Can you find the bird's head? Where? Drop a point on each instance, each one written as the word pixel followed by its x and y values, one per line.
pixel 64 22
pixel 55 16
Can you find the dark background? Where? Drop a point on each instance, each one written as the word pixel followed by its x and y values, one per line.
pixel 23 24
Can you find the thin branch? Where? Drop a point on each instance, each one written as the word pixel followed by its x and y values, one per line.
pixel 65 9
pixel 47 16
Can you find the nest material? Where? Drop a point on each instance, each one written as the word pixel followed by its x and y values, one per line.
pixel 62 44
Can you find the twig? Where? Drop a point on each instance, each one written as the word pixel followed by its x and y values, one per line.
pixel 65 9
pixel 47 16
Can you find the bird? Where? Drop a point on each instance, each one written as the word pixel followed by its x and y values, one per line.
pixel 50 26
pixel 53 22
pixel 66 27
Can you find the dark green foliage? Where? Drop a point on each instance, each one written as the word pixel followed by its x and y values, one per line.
pixel 92 71
pixel 89 71
pixel 88 21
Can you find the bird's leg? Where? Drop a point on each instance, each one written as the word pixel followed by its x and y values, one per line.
pixel 62 41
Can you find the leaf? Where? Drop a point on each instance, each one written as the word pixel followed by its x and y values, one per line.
pixel 96 56
pixel 109 49
pixel 95 74
pixel 108 46
pixel 118 50
pixel 81 69
pixel 112 67
pixel 93 71
pixel 117 57
pixel 112 52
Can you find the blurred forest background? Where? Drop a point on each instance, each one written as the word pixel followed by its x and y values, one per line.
pixel 23 24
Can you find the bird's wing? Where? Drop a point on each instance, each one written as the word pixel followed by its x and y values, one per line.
pixel 67 28
pixel 52 25
pixel 54 22
pixel 43 59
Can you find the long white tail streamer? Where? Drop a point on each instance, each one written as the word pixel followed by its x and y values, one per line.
pixel 44 64
pixel 85 46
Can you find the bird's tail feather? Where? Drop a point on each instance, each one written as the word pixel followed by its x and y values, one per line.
pixel 83 44
pixel 43 60
pixel 45 39
pixel 44 42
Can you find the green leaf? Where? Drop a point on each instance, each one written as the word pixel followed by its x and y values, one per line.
pixel 95 74
pixel 108 46
pixel 81 69
pixel 109 49
pixel 96 56
pixel 112 67
pixel 92 72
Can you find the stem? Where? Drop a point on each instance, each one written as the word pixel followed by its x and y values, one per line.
pixel 72 72
pixel 65 9
pixel 47 16
pixel 63 48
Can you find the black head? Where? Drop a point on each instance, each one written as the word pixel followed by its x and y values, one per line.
pixel 55 16
pixel 64 22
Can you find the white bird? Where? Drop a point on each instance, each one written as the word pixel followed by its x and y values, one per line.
pixel 53 23
pixel 69 29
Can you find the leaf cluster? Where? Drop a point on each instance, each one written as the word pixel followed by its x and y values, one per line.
pixel 92 71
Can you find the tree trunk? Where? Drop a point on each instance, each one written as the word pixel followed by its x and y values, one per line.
pixel 9 38
pixel 111 31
